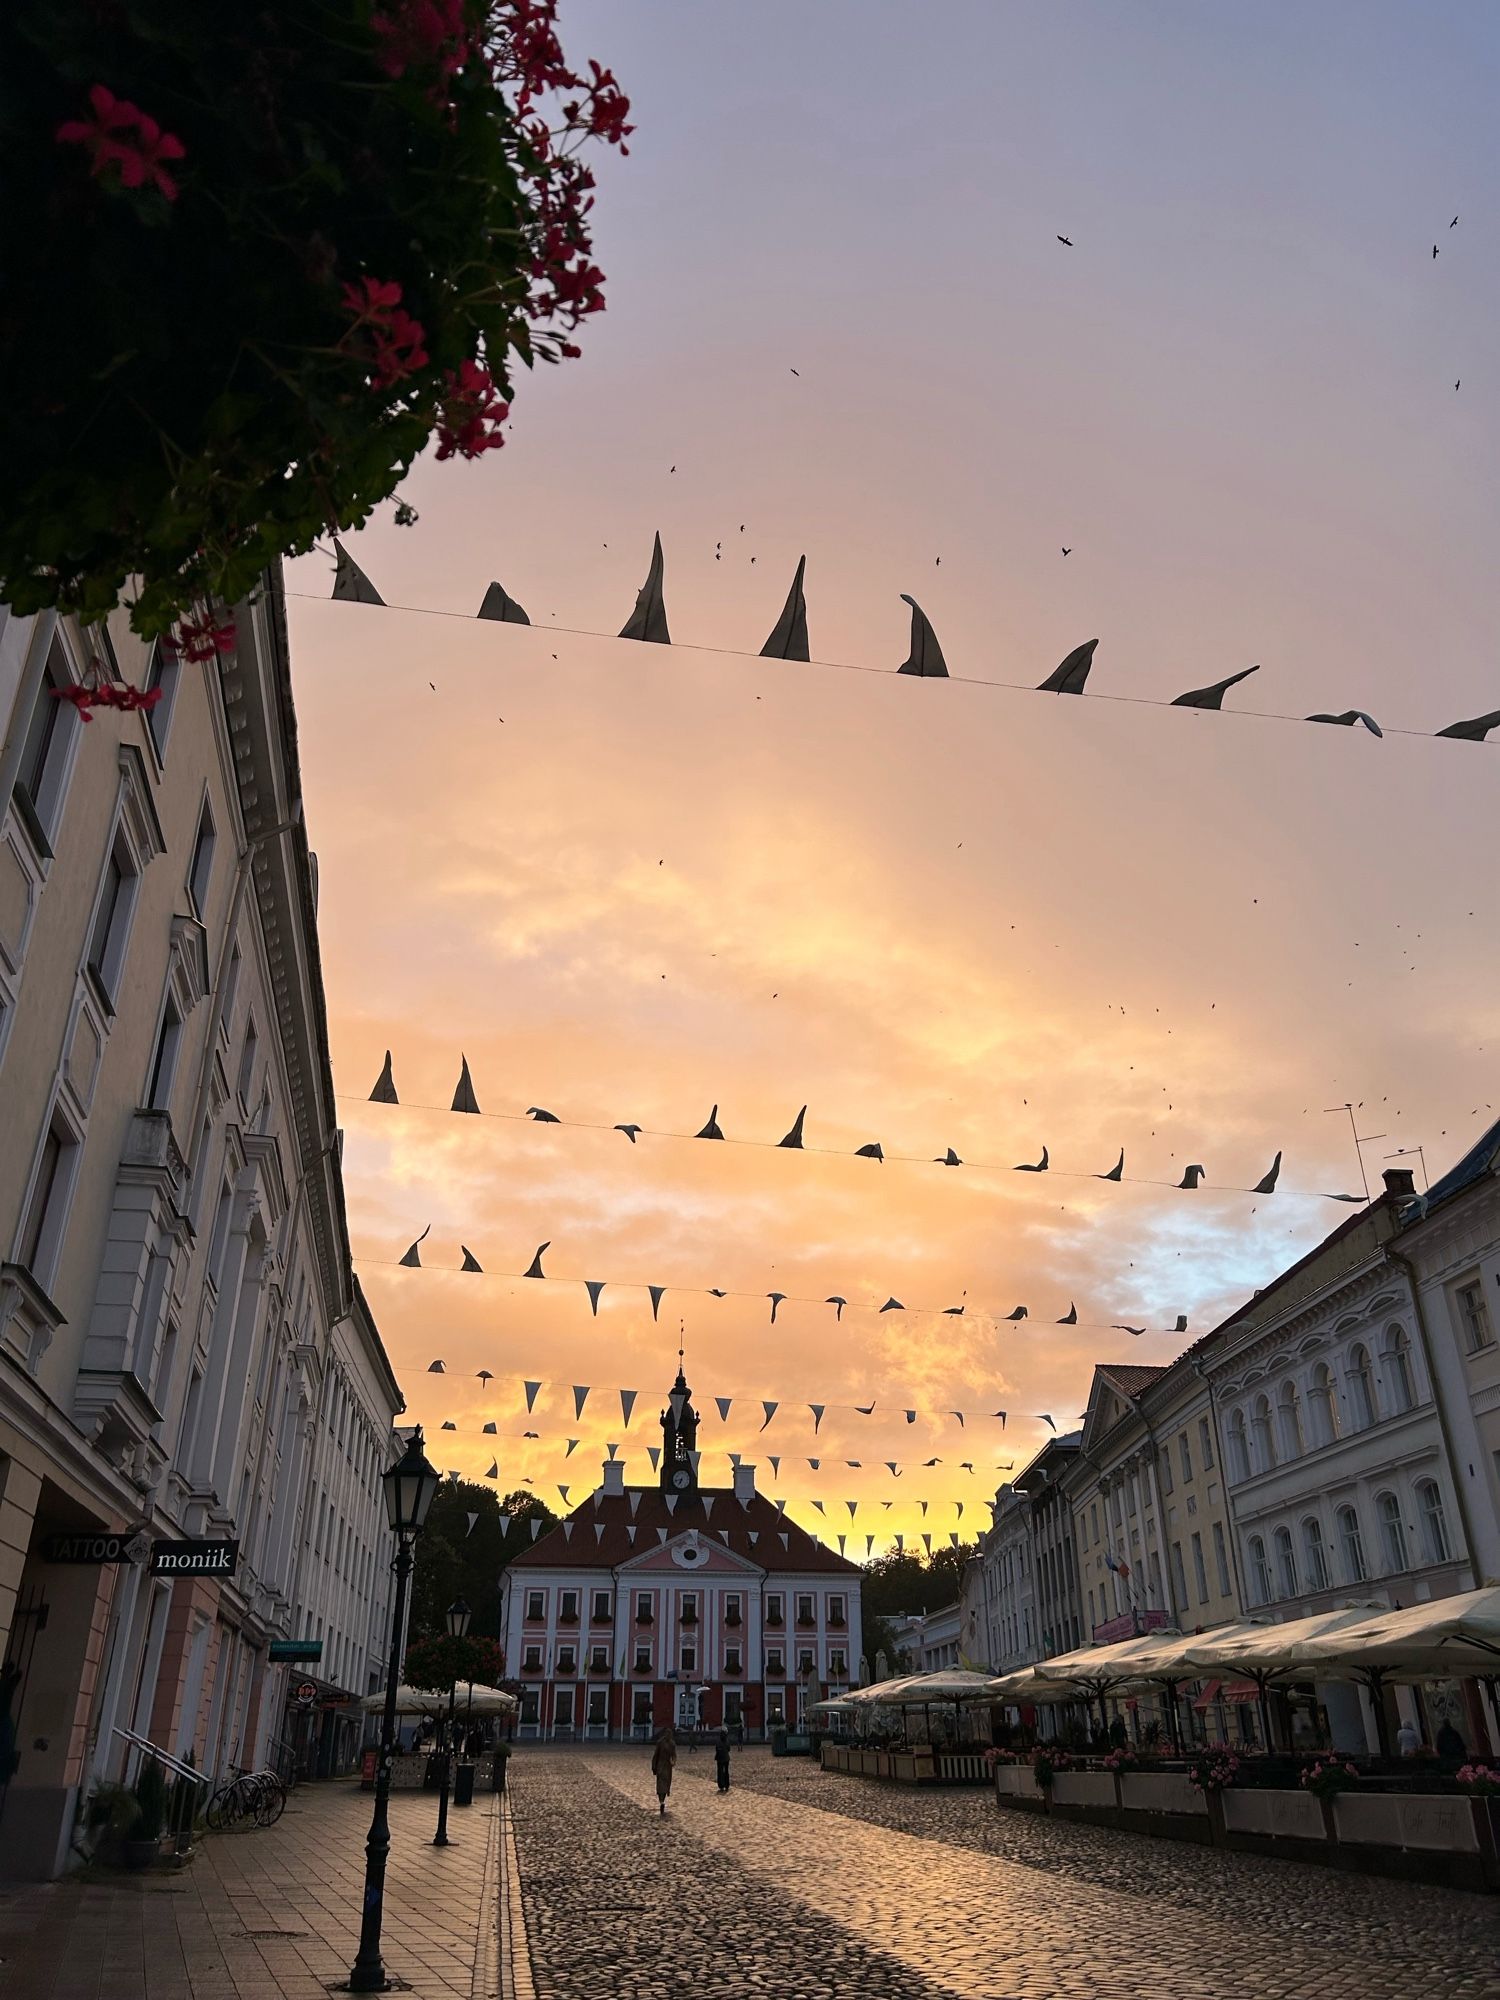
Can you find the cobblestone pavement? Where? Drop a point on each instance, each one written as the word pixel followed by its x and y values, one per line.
pixel 269 1915
pixel 816 1887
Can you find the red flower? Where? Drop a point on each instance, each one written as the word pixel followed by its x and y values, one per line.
pixel 471 414
pixel 107 135
pixel 423 34
pixel 201 637
pixel 391 339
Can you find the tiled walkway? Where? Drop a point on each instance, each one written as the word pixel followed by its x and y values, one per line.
pixel 269 1915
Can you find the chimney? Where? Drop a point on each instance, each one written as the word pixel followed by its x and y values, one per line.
pixel 1399 1184
pixel 744 1482
pixel 614 1476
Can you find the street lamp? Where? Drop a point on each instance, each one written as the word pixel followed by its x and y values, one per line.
pixel 457 1619
pixel 409 1486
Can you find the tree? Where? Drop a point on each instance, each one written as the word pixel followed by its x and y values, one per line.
pixel 299 241
pixel 452 1562
pixel 441 1662
pixel 901 1583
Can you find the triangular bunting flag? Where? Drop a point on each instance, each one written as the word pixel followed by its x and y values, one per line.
pixel 630 1535
pixel 657 1292
pixel 436 1368
pixel 817 1415
pixel 536 1529
pixel 594 1286
pixel 661 1534
pixel 724 1404
pixel 653 1452
pixel 635 1501
pixel 927 1543
pixel 564 1491
pixel 793 1138
pixel 471 1519
pixel 598 1531
pixel 784 1539
pixel 671 1500
pixel 815 1464
pixel 648 621
pixel 781 1506
pixel 708 1505
pixel 901 1545
pixel 953 1538
pixel 534 1268
pixel 411 1260
pixel 350 584
pixel 627 1404
pixel 504 1526
pixel 572 1447
pixel 531 1392
pixel 869 1544
pixel 471 1262
pixel 385 1085
pixel 494 1471
pixel 754 1536
pixel 923 1505
pixel 1073 672
pixel 775 1465
pixel 788 640
pixel 734 1459
pixel 841 1544
pixel 926 655
pixel 611 1449
pixel 580 1397
pixel 499 605
pixel 696 1458
pixel 770 1410
pixel 820 1507
pixel 853 1506
pixel 463 1092
pixel 567 1528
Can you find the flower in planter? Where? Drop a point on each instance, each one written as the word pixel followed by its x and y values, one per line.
pixel 1328 1775
pixel 1481 1779
pixel 1046 1763
pixel 1123 1759
pixel 1214 1770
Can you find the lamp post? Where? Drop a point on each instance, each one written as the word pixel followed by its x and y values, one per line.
pixel 409 1486
pixel 457 1619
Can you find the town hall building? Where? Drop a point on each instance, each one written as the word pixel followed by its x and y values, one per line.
pixel 698 1606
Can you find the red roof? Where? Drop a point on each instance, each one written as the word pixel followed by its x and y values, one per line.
pixel 1128 1378
pixel 723 1520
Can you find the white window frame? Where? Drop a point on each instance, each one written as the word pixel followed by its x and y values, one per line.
pixel 52 1226
pixel 40 812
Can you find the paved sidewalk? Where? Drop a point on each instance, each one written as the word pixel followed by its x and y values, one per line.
pixel 270 1915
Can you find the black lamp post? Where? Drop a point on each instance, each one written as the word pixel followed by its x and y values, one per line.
pixel 409 1486
pixel 457 1619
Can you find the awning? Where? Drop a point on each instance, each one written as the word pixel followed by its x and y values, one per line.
pixel 1227 1691
pixel 1448 1637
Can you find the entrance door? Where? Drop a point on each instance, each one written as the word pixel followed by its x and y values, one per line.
pixel 562 1713
pixel 640 1714
pixel 598 1712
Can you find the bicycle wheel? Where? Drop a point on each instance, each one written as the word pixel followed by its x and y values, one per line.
pixel 270 1802
pixel 224 1808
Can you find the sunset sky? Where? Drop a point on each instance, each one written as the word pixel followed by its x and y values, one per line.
pixel 939 914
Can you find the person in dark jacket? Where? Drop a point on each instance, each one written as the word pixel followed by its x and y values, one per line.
pixel 721 1759
pixel 1450 1745
pixel 663 1763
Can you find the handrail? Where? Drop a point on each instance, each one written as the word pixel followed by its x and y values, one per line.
pixel 164 1756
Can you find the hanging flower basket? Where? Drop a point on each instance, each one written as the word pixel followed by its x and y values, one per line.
pixel 264 257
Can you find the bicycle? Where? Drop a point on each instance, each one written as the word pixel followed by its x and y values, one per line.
pixel 250 1796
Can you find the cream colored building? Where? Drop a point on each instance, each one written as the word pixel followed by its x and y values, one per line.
pixel 1151 1526
pixel 183 1353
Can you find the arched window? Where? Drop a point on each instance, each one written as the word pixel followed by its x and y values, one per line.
pixel 1239 1456
pixel 1313 1554
pixel 1361 1388
pixel 1260 1571
pixel 1286 1562
pixel 1400 1394
pixel 1260 1429
pixel 1289 1417
pixel 1434 1522
pixel 1324 1404
pixel 1352 1543
pixel 1392 1532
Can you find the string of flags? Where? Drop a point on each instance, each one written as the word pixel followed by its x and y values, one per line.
pixel 1194 1177
pixel 769 1407
pixel 411 1260
pixel 925 659
pixel 569 1527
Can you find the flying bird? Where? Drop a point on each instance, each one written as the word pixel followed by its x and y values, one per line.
pixel 1349 718
pixel 1454 223
pixel 1434 247
pixel 1067 552
pixel 1039 1168
pixel 1116 1172
pixel 711 1129
pixel 797 372
pixel 1066 239
pixel 629 1131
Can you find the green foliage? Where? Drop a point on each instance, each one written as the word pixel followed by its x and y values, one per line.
pixel 151 1800
pixel 113 1806
pixel 193 191
pixel 453 1563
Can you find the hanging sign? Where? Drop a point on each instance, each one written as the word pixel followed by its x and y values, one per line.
pixel 194 1558
pixel 296 1649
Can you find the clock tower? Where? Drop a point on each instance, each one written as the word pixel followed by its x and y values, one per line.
pixel 679 1439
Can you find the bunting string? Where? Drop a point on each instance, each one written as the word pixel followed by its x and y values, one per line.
pixel 1193 1178
pixel 925 659
pixel 595 1287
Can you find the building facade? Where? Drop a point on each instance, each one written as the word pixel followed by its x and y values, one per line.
pixel 1151 1519
pixel 676 1603
pixel 179 1327
pixel 1006 1566
pixel 1057 1613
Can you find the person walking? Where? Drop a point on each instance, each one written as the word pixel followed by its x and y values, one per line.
pixel 663 1760
pixel 721 1759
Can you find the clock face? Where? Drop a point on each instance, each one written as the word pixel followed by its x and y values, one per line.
pixel 682 1478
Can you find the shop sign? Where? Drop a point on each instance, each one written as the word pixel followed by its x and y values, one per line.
pixel 305 1693
pixel 194 1558
pixel 296 1649
pixel 89 1548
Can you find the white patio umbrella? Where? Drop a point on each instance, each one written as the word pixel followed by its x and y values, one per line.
pixel 426 1701
pixel 1266 1654
pixel 1449 1637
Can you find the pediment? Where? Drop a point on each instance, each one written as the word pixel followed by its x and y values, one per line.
pixel 693 1553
